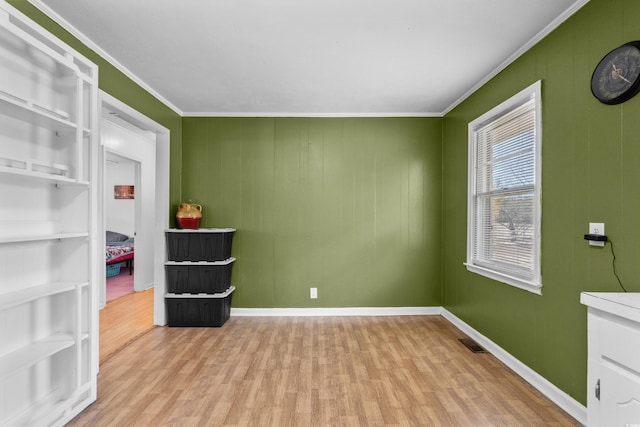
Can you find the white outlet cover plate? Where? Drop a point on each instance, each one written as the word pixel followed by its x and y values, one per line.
pixel 596 228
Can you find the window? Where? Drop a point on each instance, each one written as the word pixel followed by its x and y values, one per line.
pixel 503 236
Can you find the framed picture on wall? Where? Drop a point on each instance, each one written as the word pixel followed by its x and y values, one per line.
pixel 123 192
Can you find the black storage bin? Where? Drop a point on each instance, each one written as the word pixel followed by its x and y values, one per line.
pixel 198 277
pixel 199 310
pixel 202 244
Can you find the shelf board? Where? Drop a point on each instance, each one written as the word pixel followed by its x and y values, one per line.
pixel 40 175
pixel 27 111
pixel 33 414
pixel 31 293
pixel 54 236
pixel 33 353
pixel 56 172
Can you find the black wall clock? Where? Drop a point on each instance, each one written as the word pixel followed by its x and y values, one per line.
pixel 616 79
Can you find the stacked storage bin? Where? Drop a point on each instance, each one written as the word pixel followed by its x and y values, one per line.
pixel 199 276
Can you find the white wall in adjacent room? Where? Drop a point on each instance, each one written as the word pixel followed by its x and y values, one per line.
pixel 120 213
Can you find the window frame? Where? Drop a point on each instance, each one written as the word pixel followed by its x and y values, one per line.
pixel 533 284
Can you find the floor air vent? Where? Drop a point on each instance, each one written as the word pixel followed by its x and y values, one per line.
pixel 472 345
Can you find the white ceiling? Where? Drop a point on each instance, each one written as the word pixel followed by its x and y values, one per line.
pixel 311 57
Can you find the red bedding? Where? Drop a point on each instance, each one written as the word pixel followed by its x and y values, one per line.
pixel 116 254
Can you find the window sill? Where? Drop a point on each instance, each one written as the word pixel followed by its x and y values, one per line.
pixel 527 285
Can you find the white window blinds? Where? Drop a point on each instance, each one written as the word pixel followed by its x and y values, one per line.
pixel 504 192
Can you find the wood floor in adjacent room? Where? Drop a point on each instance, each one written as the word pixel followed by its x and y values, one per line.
pixel 123 320
pixel 313 371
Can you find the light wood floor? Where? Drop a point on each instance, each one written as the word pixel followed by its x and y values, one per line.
pixel 313 371
pixel 123 320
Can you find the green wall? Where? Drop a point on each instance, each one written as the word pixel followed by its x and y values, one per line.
pixel 118 85
pixel 350 206
pixel 590 173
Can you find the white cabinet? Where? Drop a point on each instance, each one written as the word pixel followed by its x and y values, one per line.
pixel 48 226
pixel 613 385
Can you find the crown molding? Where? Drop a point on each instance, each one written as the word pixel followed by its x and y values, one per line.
pixel 517 54
pixel 310 115
pixel 66 25
pixel 93 46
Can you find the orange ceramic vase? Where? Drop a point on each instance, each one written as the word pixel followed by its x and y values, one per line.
pixel 189 215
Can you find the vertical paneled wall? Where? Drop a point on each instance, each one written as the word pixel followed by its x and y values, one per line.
pixel 349 206
pixel 590 173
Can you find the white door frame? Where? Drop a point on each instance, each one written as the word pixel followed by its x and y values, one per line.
pixel 136 118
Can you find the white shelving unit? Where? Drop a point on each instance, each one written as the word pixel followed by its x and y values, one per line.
pixel 48 226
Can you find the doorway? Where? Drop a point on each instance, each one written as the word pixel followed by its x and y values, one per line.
pixel 122 213
pixel 151 149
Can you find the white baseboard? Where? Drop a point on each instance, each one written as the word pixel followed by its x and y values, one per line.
pixel 339 311
pixel 557 396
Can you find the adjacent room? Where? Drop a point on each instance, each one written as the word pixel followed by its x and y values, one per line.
pixel 423 213
pixel 120 175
